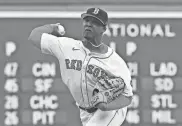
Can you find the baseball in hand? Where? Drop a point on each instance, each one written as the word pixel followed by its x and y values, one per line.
pixel 61 30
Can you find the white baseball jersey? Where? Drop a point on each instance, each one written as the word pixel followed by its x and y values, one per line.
pixel 80 70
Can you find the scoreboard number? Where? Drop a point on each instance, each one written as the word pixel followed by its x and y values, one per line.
pixel 11 118
pixel 11 102
pixel 11 69
pixel 135 102
pixel 133 116
pixel 11 85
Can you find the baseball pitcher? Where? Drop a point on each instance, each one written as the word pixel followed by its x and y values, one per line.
pixel 97 77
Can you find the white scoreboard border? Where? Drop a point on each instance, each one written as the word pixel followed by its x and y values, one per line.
pixel 76 14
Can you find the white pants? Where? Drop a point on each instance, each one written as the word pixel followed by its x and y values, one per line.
pixel 103 118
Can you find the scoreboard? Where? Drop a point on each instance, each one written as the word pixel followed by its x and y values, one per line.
pixel 33 94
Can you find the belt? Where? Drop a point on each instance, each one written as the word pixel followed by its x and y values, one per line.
pixel 89 110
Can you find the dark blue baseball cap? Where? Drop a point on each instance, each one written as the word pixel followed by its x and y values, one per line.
pixel 97 13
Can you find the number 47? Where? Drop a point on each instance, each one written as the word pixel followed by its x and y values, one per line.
pixel 10 69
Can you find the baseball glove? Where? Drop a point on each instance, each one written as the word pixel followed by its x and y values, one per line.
pixel 106 90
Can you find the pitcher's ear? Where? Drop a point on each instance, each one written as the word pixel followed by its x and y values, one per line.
pixel 105 27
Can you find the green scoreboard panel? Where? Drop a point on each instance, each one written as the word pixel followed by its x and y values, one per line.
pixel 32 92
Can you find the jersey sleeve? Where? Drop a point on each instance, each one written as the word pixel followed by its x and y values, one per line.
pixel 56 46
pixel 122 70
pixel 49 43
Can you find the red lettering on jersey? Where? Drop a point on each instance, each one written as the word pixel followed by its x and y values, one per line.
pixel 73 64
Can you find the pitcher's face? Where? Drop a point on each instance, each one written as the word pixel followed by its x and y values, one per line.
pixel 92 27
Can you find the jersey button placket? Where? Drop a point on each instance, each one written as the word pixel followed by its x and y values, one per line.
pixel 84 86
